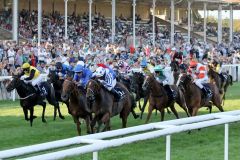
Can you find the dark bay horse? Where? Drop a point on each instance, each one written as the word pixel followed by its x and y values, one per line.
pixel 176 70
pixel 216 78
pixel 58 85
pixel 103 105
pixel 29 98
pixel 137 80
pixel 159 98
pixel 78 104
pixel 194 96
pixel 126 81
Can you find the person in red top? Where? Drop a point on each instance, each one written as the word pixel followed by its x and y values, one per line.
pixel 199 73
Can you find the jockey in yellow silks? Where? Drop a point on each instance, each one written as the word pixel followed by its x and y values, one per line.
pixel 32 75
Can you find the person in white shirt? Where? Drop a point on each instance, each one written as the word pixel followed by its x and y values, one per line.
pixel 11 55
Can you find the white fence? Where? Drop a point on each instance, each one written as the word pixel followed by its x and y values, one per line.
pixel 95 142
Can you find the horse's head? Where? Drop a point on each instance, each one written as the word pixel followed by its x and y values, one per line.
pixel 14 83
pixel 68 87
pixel 93 89
pixel 147 84
pixel 185 80
pixel 174 66
pixel 53 77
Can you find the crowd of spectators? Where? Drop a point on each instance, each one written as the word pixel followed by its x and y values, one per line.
pixel 54 48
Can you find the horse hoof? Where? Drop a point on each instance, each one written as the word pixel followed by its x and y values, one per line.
pixel 34 117
pixel 27 119
pixel 62 117
pixel 44 121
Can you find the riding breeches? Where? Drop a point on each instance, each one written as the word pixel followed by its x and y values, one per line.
pixel 36 81
pixel 199 82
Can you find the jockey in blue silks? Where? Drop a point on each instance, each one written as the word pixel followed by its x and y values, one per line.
pixel 82 75
pixel 107 77
pixel 61 69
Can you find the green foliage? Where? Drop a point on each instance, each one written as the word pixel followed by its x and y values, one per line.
pixel 206 144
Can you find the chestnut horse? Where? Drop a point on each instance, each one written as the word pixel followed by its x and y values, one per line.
pixel 159 98
pixel 102 103
pixel 77 105
pixel 215 78
pixel 194 96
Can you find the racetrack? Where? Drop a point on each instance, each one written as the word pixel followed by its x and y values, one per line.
pixel 206 144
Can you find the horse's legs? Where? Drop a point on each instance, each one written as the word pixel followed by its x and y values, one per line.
pixel 25 111
pixel 182 103
pixel 43 104
pixel 139 105
pixel 174 111
pixel 195 110
pixel 150 109
pixel 31 115
pixel 144 105
pixel 106 120
pixel 162 113
pixel 59 112
pixel 67 104
pixel 93 123
pixel 87 120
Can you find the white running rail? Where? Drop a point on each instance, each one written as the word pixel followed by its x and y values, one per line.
pixel 95 142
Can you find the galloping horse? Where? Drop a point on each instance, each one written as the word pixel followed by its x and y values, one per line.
pixel 58 85
pixel 194 96
pixel 78 104
pixel 102 103
pixel 127 83
pixel 215 77
pixel 29 98
pixel 159 98
pixel 137 81
pixel 176 70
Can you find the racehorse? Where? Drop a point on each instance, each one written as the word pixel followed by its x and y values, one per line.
pixel 137 80
pixel 223 86
pixel 159 98
pixel 30 98
pixel 195 98
pixel 103 104
pixel 127 83
pixel 57 85
pixel 176 70
pixel 78 103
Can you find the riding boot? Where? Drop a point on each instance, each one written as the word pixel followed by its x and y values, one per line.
pixel 207 92
pixel 42 91
pixel 117 94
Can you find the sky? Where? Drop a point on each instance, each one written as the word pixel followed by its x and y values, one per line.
pixel 225 14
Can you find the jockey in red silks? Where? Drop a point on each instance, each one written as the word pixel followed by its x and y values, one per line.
pixel 199 73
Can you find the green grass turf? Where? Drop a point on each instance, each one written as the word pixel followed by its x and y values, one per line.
pixel 207 144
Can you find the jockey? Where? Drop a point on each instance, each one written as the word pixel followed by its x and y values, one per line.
pixel 162 78
pixel 123 67
pixel 82 75
pixel 32 75
pixel 199 73
pixel 217 68
pixel 61 69
pixel 144 67
pixel 107 77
